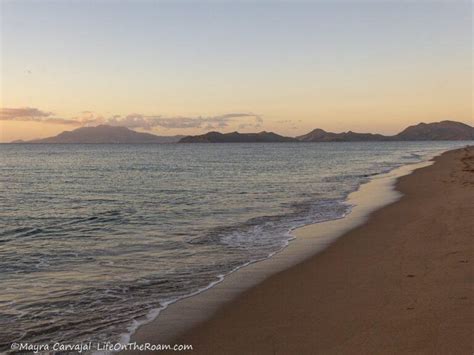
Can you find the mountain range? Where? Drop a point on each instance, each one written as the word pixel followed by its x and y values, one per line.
pixel 105 134
pixel 236 137
pixel 444 130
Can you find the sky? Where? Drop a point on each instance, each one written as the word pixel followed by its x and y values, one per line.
pixel 188 67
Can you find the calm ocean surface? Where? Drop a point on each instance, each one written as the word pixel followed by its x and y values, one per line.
pixel 93 237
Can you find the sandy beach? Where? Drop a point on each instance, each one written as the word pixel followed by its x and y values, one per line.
pixel 400 283
pixel 236 177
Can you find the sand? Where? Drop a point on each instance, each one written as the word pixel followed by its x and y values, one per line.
pixel 400 283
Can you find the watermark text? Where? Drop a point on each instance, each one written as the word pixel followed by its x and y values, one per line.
pixel 98 346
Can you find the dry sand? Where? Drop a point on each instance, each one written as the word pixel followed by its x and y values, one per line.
pixel 400 283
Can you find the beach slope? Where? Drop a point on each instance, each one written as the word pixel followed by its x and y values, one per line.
pixel 400 283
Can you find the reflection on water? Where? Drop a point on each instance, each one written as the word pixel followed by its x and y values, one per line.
pixel 94 236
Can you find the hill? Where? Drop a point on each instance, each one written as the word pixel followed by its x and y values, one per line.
pixel 320 135
pixel 105 134
pixel 444 130
pixel 236 137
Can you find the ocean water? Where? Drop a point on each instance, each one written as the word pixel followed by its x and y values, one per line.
pixel 93 238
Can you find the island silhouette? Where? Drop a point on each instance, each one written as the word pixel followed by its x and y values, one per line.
pixel 436 131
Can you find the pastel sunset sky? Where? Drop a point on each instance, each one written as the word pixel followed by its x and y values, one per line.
pixel 187 67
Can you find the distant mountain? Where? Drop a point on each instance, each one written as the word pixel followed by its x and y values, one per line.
pixel 105 134
pixel 445 130
pixel 319 135
pixel 236 137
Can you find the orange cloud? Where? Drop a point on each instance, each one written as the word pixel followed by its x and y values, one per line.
pixel 135 120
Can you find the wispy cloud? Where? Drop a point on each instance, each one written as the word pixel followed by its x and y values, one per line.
pixel 149 122
pixel 134 121
pixel 30 114
pixel 23 114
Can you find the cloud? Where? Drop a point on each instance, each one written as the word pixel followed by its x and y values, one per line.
pixel 30 114
pixel 249 125
pixel 134 120
pixel 212 122
pixel 23 114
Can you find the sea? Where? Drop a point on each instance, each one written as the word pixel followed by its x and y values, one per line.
pixel 97 239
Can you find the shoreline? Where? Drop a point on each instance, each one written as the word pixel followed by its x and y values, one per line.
pixel 399 283
pixel 186 313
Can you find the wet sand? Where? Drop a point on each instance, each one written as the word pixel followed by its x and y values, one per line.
pixel 400 283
